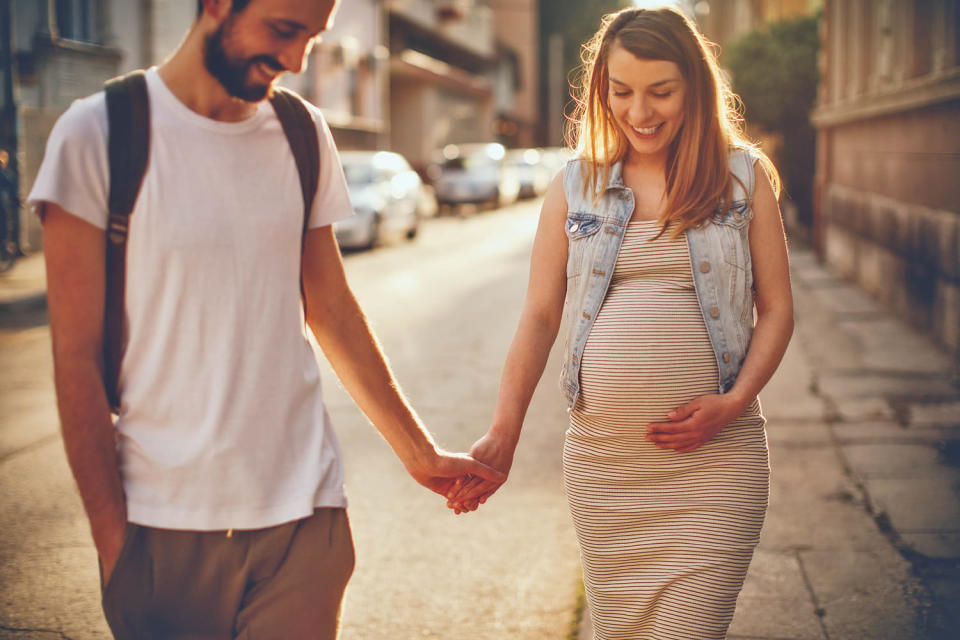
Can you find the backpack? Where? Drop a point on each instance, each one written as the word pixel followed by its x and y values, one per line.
pixel 128 146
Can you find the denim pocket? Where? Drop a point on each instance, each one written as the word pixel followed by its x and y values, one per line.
pixel 580 228
pixel 581 225
pixel 737 216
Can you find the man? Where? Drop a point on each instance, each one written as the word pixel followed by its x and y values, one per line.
pixel 216 501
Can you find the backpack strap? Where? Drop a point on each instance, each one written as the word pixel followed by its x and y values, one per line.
pixel 128 148
pixel 301 131
pixel 128 118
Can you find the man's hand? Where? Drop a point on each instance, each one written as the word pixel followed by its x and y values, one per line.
pixel 470 493
pixel 695 423
pixel 440 471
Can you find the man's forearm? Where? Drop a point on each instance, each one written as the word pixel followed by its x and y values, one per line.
pixel 89 440
pixel 352 349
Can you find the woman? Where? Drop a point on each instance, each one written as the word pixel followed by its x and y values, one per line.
pixel 663 236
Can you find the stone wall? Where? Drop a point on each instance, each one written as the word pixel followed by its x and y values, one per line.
pixel 906 255
pixel 887 194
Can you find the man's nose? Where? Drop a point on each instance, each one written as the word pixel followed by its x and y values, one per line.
pixel 294 57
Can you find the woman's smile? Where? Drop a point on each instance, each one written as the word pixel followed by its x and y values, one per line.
pixel 647 132
pixel 646 98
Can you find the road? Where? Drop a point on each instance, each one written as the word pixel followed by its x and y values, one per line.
pixel 444 307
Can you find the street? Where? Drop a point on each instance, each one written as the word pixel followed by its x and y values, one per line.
pixel 445 307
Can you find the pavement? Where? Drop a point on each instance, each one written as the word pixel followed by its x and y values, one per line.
pixel 862 538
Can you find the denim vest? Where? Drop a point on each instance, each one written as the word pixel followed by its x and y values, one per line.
pixel 719 257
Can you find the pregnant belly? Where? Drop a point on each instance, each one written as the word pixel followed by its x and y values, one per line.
pixel 644 357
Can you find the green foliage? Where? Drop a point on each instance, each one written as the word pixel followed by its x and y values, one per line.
pixel 774 71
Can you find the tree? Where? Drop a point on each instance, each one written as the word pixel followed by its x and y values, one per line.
pixel 774 70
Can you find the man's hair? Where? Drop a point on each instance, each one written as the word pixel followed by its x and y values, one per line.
pixel 238 6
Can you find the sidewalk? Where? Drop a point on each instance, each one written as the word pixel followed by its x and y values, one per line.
pixel 862 537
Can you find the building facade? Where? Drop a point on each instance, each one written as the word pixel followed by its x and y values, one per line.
pixel 407 75
pixel 723 21
pixel 519 118
pixel 888 155
pixel 348 76
pixel 442 64
pixel 66 49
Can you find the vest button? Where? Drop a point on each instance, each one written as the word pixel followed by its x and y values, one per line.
pixel 574 227
pixel 726 356
pixel 714 312
pixel 704 267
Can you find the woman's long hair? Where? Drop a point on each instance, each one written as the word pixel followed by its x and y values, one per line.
pixel 698 168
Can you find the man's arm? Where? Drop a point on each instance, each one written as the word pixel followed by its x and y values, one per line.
pixel 352 349
pixel 74 252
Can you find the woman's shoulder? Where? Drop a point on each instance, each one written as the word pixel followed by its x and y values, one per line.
pixel 743 155
pixel 742 160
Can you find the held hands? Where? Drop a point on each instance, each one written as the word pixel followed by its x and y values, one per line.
pixel 695 423
pixel 440 470
pixel 468 493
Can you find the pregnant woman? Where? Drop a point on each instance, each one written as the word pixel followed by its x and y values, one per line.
pixel 662 249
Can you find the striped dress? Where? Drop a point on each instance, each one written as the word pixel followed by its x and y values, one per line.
pixel 665 537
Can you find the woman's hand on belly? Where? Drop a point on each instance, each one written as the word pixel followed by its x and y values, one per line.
pixel 695 423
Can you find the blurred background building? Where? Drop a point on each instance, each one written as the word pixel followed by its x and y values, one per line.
pixel 406 75
pixel 60 50
pixel 442 64
pixel 723 21
pixel 888 155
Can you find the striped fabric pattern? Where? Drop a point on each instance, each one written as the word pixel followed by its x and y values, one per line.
pixel 665 538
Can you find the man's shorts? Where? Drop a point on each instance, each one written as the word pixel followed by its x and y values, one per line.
pixel 285 581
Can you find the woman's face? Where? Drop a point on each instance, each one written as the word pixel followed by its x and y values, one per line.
pixel 646 98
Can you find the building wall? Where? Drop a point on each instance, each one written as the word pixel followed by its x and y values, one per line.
pixel 888 201
pixel 347 76
pixel 517 26
pixel 442 70
pixel 53 71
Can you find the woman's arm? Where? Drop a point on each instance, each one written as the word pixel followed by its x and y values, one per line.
pixel 695 423
pixel 527 357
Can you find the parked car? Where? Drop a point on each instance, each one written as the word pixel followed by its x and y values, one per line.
pixel 387 196
pixel 533 175
pixel 475 173
pixel 553 159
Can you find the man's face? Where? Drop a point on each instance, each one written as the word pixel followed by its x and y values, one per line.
pixel 251 48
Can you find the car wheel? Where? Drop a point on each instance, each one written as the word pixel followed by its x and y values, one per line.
pixel 373 231
pixel 412 231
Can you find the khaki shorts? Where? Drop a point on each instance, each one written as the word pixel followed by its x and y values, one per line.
pixel 281 582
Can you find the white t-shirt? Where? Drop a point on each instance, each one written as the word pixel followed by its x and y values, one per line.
pixel 222 423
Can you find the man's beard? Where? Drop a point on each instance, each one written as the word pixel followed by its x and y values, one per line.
pixel 232 72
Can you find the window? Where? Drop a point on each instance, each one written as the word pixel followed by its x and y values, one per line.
pixel 78 20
